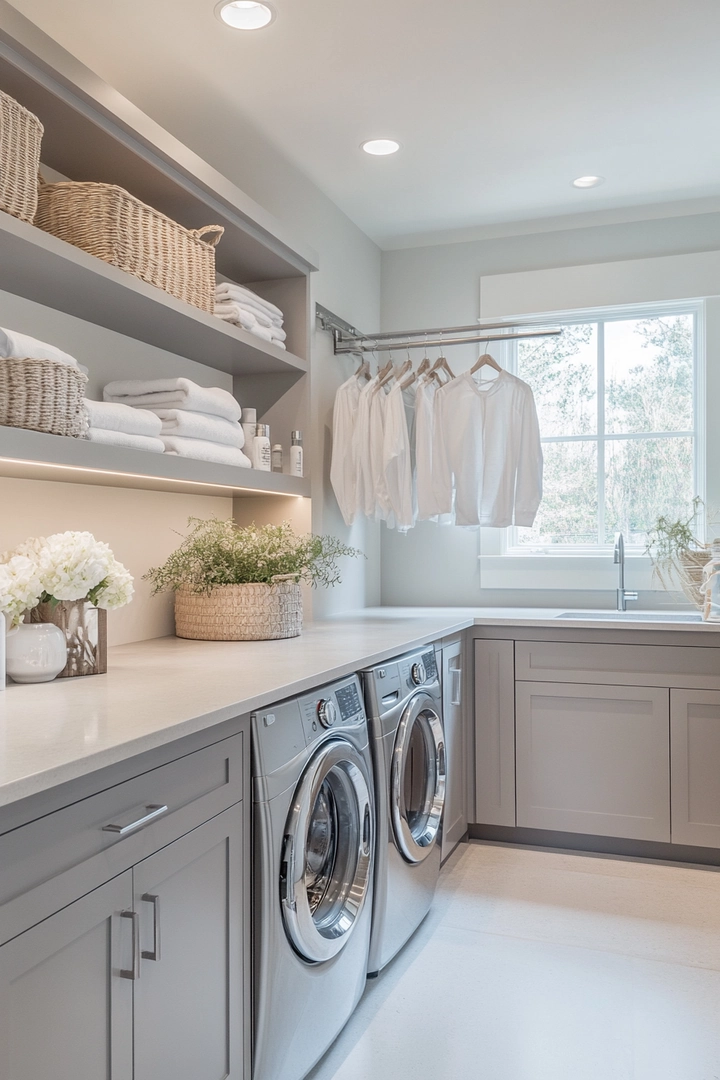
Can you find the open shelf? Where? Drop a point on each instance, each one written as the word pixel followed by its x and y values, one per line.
pixel 40 267
pixel 32 455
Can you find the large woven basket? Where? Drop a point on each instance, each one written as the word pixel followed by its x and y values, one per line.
pixel 250 612
pixel 43 395
pixel 110 223
pixel 20 136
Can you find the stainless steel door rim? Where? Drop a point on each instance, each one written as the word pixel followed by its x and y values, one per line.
pixel 327 853
pixel 416 820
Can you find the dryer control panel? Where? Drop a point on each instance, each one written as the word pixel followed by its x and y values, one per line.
pixel 336 706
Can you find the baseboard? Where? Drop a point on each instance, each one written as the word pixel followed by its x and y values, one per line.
pixel 606 845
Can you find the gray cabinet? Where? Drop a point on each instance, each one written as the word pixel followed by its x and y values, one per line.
pixel 695 755
pixel 65 998
pixel 188 996
pixel 593 759
pixel 455 820
pixel 494 733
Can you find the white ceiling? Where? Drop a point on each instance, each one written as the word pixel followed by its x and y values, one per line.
pixel 498 105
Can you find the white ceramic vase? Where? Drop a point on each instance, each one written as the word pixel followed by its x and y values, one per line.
pixel 36 652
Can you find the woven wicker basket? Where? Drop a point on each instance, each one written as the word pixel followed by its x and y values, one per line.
pixel 250 612
pixel 20 136
pixel 110 223
pixel 43 395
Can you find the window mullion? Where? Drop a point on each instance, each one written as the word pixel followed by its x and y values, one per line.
pixel 601 431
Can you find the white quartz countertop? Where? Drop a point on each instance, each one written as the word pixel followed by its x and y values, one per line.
pixel 158 691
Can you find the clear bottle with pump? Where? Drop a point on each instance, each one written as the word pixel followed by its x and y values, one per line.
pixel 296 454
pixel 277 458
pixel 261 458
pixel 711 584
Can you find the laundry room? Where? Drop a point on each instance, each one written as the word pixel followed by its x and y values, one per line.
pixel 359 541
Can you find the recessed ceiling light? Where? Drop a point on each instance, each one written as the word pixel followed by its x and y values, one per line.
pixel 245 14
pixel 588 181
pixel 380 147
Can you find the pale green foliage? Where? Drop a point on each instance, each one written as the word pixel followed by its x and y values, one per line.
pixel 648 388
pixel 217 552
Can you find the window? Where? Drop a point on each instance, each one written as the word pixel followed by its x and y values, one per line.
pixel 617 398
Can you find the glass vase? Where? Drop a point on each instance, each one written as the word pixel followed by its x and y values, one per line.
pixel 85 630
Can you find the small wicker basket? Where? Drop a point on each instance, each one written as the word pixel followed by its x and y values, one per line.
pixel 251 612
pixel 42 395
pixel 110 223
pixel 20 137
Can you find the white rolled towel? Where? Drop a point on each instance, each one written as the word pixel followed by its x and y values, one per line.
pixel 202 450
pixel 173 394
pixel 193 425
pixel 227 290
pixel 110 416
pixel 14 345
pixel 124 438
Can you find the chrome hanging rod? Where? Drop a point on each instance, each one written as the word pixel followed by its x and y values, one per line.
pixel 363 345
pixel 348 339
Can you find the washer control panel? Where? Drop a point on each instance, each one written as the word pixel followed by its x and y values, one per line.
pixel 335 706
pixel 418 669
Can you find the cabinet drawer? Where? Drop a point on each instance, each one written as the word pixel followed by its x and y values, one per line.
pixel 49 862
pixel 690 667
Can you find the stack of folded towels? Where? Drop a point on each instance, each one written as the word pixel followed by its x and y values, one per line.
pixel 194 421
pixel 239 305
pixel 16 346
pixel 119 425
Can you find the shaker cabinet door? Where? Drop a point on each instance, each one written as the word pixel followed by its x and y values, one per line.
pixel 695 754
pixel 455 819
pixel 66 992
pixel 494 733
pixel 189 1008
pixel 594 759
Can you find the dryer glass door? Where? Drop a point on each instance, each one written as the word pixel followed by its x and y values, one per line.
pixel 327 854
pixel 417 779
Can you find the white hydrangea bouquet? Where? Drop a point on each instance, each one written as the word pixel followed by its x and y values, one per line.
pixel 69 579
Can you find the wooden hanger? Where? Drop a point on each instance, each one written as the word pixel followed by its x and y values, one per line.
pixel 441 364
pixel 383 372
pixel 485 359
pixel 396 373
pixel 425 366
pixel 364 370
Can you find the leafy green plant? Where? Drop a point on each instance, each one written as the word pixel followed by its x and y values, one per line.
pixel 676 552
pixel 218 552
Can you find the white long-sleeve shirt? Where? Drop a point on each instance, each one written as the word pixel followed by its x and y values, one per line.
pixel 343 467
pixel 487 450
pixel 397 460
pixel 427 503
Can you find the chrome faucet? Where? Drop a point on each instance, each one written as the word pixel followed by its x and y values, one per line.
pixel 623 594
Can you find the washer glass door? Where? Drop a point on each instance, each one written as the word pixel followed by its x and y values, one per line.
pixel 327 854
pixel 417 779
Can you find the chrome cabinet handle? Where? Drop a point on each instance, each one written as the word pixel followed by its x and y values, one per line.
pixel 456 689
pixel 154 811
pixel 154 899
pixel 134 971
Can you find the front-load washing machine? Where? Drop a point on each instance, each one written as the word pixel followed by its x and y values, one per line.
pixel 404 706
pixel 313 837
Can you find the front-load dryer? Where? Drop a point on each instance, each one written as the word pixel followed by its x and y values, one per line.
pixel 404 707
pixel 313 861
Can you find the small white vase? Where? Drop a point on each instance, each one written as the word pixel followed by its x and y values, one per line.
pixel 36 652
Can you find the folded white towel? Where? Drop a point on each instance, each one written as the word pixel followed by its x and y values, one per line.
pixel 242 313
pixel 110 416
pixel 123 438
pixel 278 333
pixel 195 425
pixel 173 394
pixel 226 290
pixel 20 347
pixel 205 451
pixel 233 313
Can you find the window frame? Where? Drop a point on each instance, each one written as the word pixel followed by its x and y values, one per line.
pixel 509 545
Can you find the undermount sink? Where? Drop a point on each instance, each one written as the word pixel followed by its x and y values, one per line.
pixel 634 616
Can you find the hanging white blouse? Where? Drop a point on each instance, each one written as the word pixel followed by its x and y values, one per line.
pixel 343 466
pixel 427 504
pixel 364 489
pixel 487 451
pixel 397 460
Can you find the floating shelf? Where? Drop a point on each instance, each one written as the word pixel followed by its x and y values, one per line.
pixel 40 267
pixel 32 455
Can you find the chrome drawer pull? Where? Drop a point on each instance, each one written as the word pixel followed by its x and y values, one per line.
pixel 155 810
pixel 134 971
pixel 152 898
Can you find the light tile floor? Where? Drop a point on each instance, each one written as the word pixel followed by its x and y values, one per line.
pixel 541 965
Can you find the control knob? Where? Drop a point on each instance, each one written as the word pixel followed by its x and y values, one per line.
pixel 418 674
pixel 327 712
